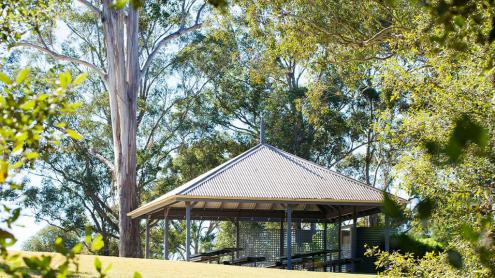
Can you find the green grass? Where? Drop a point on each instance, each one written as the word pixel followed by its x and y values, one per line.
pixel 125 267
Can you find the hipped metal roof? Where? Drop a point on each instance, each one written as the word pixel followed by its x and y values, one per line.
pixel 267 174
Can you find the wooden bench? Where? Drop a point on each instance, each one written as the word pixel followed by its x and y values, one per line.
pixel 245 260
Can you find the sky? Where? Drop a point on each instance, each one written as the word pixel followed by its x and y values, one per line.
pixel 25 226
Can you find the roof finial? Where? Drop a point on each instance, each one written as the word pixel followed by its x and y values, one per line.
pixel 262 131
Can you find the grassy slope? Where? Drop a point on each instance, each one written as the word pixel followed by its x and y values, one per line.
pixel 125 267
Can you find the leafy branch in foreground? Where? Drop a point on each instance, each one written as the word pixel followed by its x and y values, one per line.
pixel 29 127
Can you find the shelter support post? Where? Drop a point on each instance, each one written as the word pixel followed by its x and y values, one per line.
pixel 289 237
pixel 354 240
pixel 147 240
pixel 188 231
pixel 386 233
pixel 339 239
pixel 325 244
pixel 237 237
pixel 282 237
pixel 165 236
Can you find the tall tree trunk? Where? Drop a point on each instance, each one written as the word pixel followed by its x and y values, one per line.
pixel 372 220
pixel 121 41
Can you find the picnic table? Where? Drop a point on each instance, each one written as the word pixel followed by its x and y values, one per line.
pixel 301 258
pixel 245 260
pixel 214 255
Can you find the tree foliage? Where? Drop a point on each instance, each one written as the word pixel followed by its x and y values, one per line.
pixel 44 240
pixel 31 127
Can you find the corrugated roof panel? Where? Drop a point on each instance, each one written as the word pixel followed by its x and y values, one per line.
pixel 267 172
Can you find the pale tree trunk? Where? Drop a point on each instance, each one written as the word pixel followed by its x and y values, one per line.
pixel 122 77
pixel 372 220
pixel 121 41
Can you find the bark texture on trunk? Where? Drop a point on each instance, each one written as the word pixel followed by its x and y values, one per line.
pixel 120 32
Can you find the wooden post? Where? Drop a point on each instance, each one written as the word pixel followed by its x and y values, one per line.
pixel 282 237
pixel 339 237
pixel 354 240
pixel 147 246
pixel 165 236
pixel 386 233
pixel 289 237
pixel 237 237
pixel 325 244
pixel 188 231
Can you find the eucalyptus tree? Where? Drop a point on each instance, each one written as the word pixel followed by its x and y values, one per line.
pixel 312 105
pixel 131 39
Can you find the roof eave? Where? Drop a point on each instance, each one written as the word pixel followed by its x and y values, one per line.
pixel 151 207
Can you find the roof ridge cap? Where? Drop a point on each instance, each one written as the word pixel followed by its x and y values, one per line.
pixel 290 157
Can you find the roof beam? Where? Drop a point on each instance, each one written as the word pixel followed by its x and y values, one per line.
pixel 277 201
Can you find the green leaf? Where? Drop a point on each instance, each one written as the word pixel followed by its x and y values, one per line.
pixel 137 275
pixel 77 248
pixel 218 3
pixel 97 264
pixel 466 131
pixel 28 105
pixel 65 79
pixel 5 79
pixel 61 125
pixel 3 102
pixel 107 269
pixel 31 155
pixel 455 259
pixel 22 75
pixel 32 263
pixel 119 4
pixel 18 164
pixel 392 209
pixel 433 148
pixel 424 208
pixel 469 234
pixel 59 246
pixel 97 243
pixel 74 134
pixel 459 20
pixel 80 78
pixel 4 235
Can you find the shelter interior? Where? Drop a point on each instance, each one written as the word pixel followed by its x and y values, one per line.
pixel 267 232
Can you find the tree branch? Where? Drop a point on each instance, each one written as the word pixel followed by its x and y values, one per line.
pixel 101 158
pixel 164 41
pixel 92 7
pixel 174 35
pixel 61 57
pixel 350 152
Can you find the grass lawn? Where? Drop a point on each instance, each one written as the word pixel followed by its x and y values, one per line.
pixel 125 267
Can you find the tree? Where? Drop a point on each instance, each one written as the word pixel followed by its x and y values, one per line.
pixel 311 105
pixel 122 70
pixel 77 189
pixel 445 138
pixel 44 240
